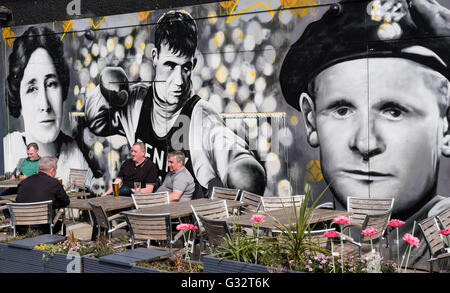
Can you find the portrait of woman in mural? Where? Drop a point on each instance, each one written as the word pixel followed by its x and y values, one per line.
pixel 379 114
pixel 37 86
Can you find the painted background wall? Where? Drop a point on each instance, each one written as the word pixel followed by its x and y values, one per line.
pixel 241 49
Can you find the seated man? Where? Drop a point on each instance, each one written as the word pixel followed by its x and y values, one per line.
pixel 178 182
pixel 42 187
pixel 137 169
pixel 28 166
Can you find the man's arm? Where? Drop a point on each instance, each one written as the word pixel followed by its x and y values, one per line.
pixel 105 117
pixel 222 154
pixel 175 195
pixel 147 189
pixel 110 189
pixel 62 199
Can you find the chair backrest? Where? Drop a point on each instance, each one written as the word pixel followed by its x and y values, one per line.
pixel 216 229
pixel 79 176
pixel 253 200
pixel 214 210
pixel 100 215
pixel 34 213
pixel 360 207
pixel 430 230
pixel 142 201
pixel 378 221
pixel 224 193
pixel 280 202
pixel 149 226
pixel 444 219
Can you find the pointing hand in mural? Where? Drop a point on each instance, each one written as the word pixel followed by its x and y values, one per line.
pixel 378 109
pixel 166 115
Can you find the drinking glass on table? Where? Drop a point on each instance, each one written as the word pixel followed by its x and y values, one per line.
pixel 116 189
pixel 137 187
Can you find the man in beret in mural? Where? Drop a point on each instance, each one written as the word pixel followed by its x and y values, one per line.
pixel 167 116
pixel 372 83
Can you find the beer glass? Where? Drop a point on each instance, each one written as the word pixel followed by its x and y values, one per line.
pixel 115 189
pixel 137 187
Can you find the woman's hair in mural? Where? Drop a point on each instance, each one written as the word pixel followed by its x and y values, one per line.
pixel 32 39
pixel 179 30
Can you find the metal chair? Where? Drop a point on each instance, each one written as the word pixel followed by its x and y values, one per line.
pixel 360 207
pixel 253 200
pixel 444 220
pixel 280 202
pixel 213 210
pixel 105 222
pixel 142 201
pixel 35 213
pixel 224 193
pixel 430 228
pixel 79 176
pixel 368 212
pixel 148 227
pixel 216 230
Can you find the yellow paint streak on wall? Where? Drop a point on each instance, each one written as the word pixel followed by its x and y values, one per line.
pixel 313 171
pixel 232 17
pixel 299 12
pixel 67 27
pixel 97 25
pixel 8 36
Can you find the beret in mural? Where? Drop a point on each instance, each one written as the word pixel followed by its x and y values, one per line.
pixel 418 30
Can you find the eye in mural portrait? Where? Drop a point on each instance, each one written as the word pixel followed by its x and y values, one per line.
pixel 379 114
pixel 37 86
pixel 167 115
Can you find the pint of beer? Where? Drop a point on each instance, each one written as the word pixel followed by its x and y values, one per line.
pixel 115 189
pixel 60 180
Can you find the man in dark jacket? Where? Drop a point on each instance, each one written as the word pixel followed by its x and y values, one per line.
pixel 43 186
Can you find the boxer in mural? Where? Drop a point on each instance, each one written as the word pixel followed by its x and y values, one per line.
pixel 36 88
pixel 167 116
pixel 374 94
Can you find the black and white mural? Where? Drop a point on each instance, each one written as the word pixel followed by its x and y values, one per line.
pixel 261 95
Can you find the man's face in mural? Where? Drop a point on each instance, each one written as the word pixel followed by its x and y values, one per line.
pixel 172 73
pixel 379 128
pixel 41 98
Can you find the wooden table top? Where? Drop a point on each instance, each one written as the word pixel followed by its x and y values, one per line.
pixel 109 203
pixel 9 183
pixel 183 209
pixel 12 197
pixel 273 218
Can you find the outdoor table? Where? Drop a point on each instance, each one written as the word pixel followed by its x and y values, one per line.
pixel 109 203
pixel 284 216
pixel 182 209
pixel 9 183
pixel 12 197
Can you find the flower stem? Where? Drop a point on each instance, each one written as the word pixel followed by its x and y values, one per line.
pixel 342 253
pixel 332 256
pixel 398 253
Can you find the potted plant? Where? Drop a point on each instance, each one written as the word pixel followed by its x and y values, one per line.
pixel 294 249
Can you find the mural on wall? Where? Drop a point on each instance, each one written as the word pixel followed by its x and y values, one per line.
pixel 261 96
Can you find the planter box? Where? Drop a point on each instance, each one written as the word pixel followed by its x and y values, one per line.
pixel 124 262
pixel 213 264
pixel 95 265
pixel 20 257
